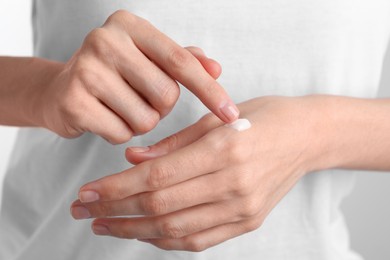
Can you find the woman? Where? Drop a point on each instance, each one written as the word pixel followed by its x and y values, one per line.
pixel 196 189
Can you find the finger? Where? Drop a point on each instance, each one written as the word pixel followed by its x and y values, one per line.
pixel 184 67
pixel 119 97
pixel 194 160
pixel 104 122
pixel 175 225
pixel 176 141
pixel 153 84
pixel 160 202
pixel 207 238
pixel 210 65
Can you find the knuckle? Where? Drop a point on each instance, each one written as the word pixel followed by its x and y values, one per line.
pixel 171 230
pixel 178 58
pixel 164 244
pixel 249 209
pixel 123 19
pixel 99 41
pixel 252 225
pixel 236 152
pixel 214 144
pixel 153 204
pixel 84 73
pixel 121 13
pixel 242 186
pixel 149 121
pixel 159 176
pixel 171 142
pixel 194 245
pixel 122 16
pixel 170 92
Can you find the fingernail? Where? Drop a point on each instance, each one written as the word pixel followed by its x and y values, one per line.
pixel 230 111
pixel 88 196
pixel 100 230
pixel 139 149
pixel 80 212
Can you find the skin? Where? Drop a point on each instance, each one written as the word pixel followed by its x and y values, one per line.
pixel 120 83
pixel 242 174
pixel 181 185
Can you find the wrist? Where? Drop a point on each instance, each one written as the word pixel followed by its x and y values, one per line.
pixel 38 96
pixel 348 133
pixel 323 125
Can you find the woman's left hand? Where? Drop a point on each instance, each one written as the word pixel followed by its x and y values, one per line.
pixel 207 183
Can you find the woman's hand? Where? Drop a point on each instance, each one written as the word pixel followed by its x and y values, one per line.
pixel 207 183
pixel 122 81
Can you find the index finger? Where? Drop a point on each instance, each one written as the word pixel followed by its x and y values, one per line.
pixel 196 159
pixel 180 64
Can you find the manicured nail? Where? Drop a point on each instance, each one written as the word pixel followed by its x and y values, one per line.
pixel 100 230
pixel 230 111
pixel 80 212
pixel 88 196
pixel 139 149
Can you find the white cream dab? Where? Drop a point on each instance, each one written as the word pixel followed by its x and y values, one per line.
pixel 240 124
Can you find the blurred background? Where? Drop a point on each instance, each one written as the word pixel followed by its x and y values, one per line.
pixel 367 209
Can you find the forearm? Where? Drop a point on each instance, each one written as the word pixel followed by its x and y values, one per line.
pixel 353 133
pixel 21 81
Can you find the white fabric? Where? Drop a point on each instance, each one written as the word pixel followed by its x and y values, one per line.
pixel 278 47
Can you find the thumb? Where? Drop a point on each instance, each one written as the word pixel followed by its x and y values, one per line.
pixel 187 136
pixel 210 65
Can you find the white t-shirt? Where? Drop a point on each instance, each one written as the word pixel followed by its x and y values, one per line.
pixel 278 47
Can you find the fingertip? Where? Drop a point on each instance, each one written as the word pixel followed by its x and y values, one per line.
pixel 213 68
pixel 195 50
pixel 80 212
pixel 100 230
pixel 131 157
pixel 86 196
pixel 75 203
pixel 229 111
pixel 138 154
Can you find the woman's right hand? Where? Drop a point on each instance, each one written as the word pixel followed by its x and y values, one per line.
pixel 123 80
